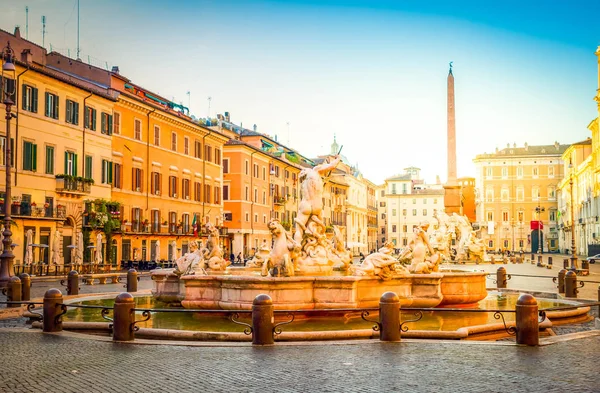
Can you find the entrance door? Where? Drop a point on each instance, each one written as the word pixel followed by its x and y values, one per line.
pixel 537 240
pixel 67 241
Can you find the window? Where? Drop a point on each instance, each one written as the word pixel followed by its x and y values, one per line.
pixel 226 193
pixel 90 118
pixel 505 216
pixel 155 221
pixel 404 228
pixel 137 177
pixel 225 165
pixel 424 201
pixel 414 201
pixel 264 173
pixel 186 146
pixel 30 98
pixel 88 167
pixel 552 215
pixel 172 222
pixel 264 198
pixel 404 212
pixel 505 243
pixel 116 123
pixel 29 156
pixel 520 216
pixel 393 212
pixel 551 193
pixel 489 195
pixel 504 172
pixel 217 200
pixel 247 194
pixel 218 156
pixel 393 188
pixel 414 212
pixel 504 196
pixel 197 191
pixel 424 212
pixel 255 195
pixel 207 153
pixel 185 188
pixel 393 229
pixel 72 116
pixel 535 172
pixel 247 217
pixel 519 172
pixel 173 186
pixel 207 193
pixel 155 183
pixel 535 193
pixel 185 218
pixel 50 160
pixel 520 194
pixel 197 149
pixel 255 170
pixel 106 123
pixel 174 141
pixel 136 218
pixel 435 201
pixel 550 171
pixel 404 188
pixel 107 172
pixel 276 171
pixel 490 216
pixel 51 105
pixel 156 136
pixel 246 167
pixel 117 175
pixel 489 172
pixel 137 129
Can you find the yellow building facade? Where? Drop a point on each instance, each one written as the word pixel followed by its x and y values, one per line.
pixel 59 140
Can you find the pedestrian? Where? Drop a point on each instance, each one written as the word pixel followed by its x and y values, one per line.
pixel 232 257
pixel 239 258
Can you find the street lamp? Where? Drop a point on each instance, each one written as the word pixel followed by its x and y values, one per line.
pixel 539 210
pixel 573 249
pixel 8 89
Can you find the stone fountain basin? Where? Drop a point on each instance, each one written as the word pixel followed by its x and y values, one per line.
pixel 236 292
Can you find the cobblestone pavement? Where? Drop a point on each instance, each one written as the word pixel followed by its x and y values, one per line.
pixel 37 362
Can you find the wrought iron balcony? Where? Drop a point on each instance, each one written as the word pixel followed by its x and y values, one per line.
pixel 73 186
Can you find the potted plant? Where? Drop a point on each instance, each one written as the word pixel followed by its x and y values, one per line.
pixel 46 205
pixel 33 204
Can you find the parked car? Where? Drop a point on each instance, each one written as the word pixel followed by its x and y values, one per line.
pixel 593 258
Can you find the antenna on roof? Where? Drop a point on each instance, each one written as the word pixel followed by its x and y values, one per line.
pixel 78 50
pixel 43 31
pixel 209 99
pixel 26 22
pixel 188 94
pixel 288 127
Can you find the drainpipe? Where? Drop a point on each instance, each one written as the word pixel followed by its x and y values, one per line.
pixel 83 123
pixel 17 123
pixel 148 158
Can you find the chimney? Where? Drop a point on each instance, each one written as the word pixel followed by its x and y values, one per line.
pixel 526 146
pixel 437 179
pixel 508 145
pixel 514 145
pixel 227 117
pixel 556 145
pixel 115 70
pixel 497 150
pixel 17 32
pixel 254 128
pixel 26 56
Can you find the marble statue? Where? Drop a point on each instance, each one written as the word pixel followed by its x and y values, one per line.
pixel 339 254
pixel 191 262
pixel 212 254
pixel 261 256
pixel 380 264
pixel 423 258
pixel 285 249
pixel 309 228
pixel 56 248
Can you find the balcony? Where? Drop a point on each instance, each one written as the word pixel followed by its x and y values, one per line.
pixel 27 210
pixel 279 200
pixel 72 185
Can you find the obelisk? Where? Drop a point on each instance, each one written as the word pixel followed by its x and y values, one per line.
pixel 452 198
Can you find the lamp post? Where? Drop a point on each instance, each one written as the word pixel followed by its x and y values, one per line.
pixel 8 89
pixel 573 249
pixel 539 210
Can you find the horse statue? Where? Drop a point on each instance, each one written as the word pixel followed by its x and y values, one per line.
pixel 285 248
pixel 213 255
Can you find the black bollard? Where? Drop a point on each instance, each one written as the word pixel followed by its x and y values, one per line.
pixel 25 286
pixel 389 317
pixel 571 284
pixel 549 265
pixel 13 293
pixel 52 300
pixel 527 320
pixel 539 261
pixel 123 317
pixel 73 283
pixel 561 280
pixel 565 263
pixel 501 277
pixel 262 320
pixel 132 280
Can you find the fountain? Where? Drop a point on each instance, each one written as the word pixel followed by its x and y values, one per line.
pixel 311 270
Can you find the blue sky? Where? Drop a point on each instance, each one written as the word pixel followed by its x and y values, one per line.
pixel 371 72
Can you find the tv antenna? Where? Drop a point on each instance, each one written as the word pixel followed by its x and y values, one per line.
pixel 43 31
pixel 209 99
pixel 26 22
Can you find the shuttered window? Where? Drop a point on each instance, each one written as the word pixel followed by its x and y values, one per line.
pixel 30 98
pixel 107 172
pixel 51 105
pixel 89 170
pixel 72 116
pixel 29 156
pixel 106 123
pixel 90 118
pixel 50 160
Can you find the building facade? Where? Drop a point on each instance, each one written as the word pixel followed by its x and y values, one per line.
pixel 516 193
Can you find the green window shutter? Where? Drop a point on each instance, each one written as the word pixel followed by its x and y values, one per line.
pixel 66 162
pixel 86 117
pixel 110 124
pixel 34 157
pixel 47 104
pixel 69 105
pixel 93 119
pixel 26 156
pixel 34 95
pixel 103 177
pixel 76 110
pixel 103 123
pixel 110 172
pixel 88 167
pixel 56 107
pixel 74 164
pixel 23 91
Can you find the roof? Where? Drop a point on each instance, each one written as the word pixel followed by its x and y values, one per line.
pixel 405 177
pixel 524 151
pixel 237 142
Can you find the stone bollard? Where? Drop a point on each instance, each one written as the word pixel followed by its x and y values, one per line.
pixel 51 321
pixel 539 261
pixel 585 264
pixel 527 320
pixel 501 277
pixel 123 317
pixel 571 284
pixel 565 263
pixel 262 320
pixel 549 265
pixel 73 283
pixel 561 280
pixel 532 259
pixel 132 280
pixel 25 287
pixel 389 317
pixel 13 291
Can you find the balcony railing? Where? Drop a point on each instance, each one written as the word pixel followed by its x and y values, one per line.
pixel 279 200
pixel 73 186
pixel 26 209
